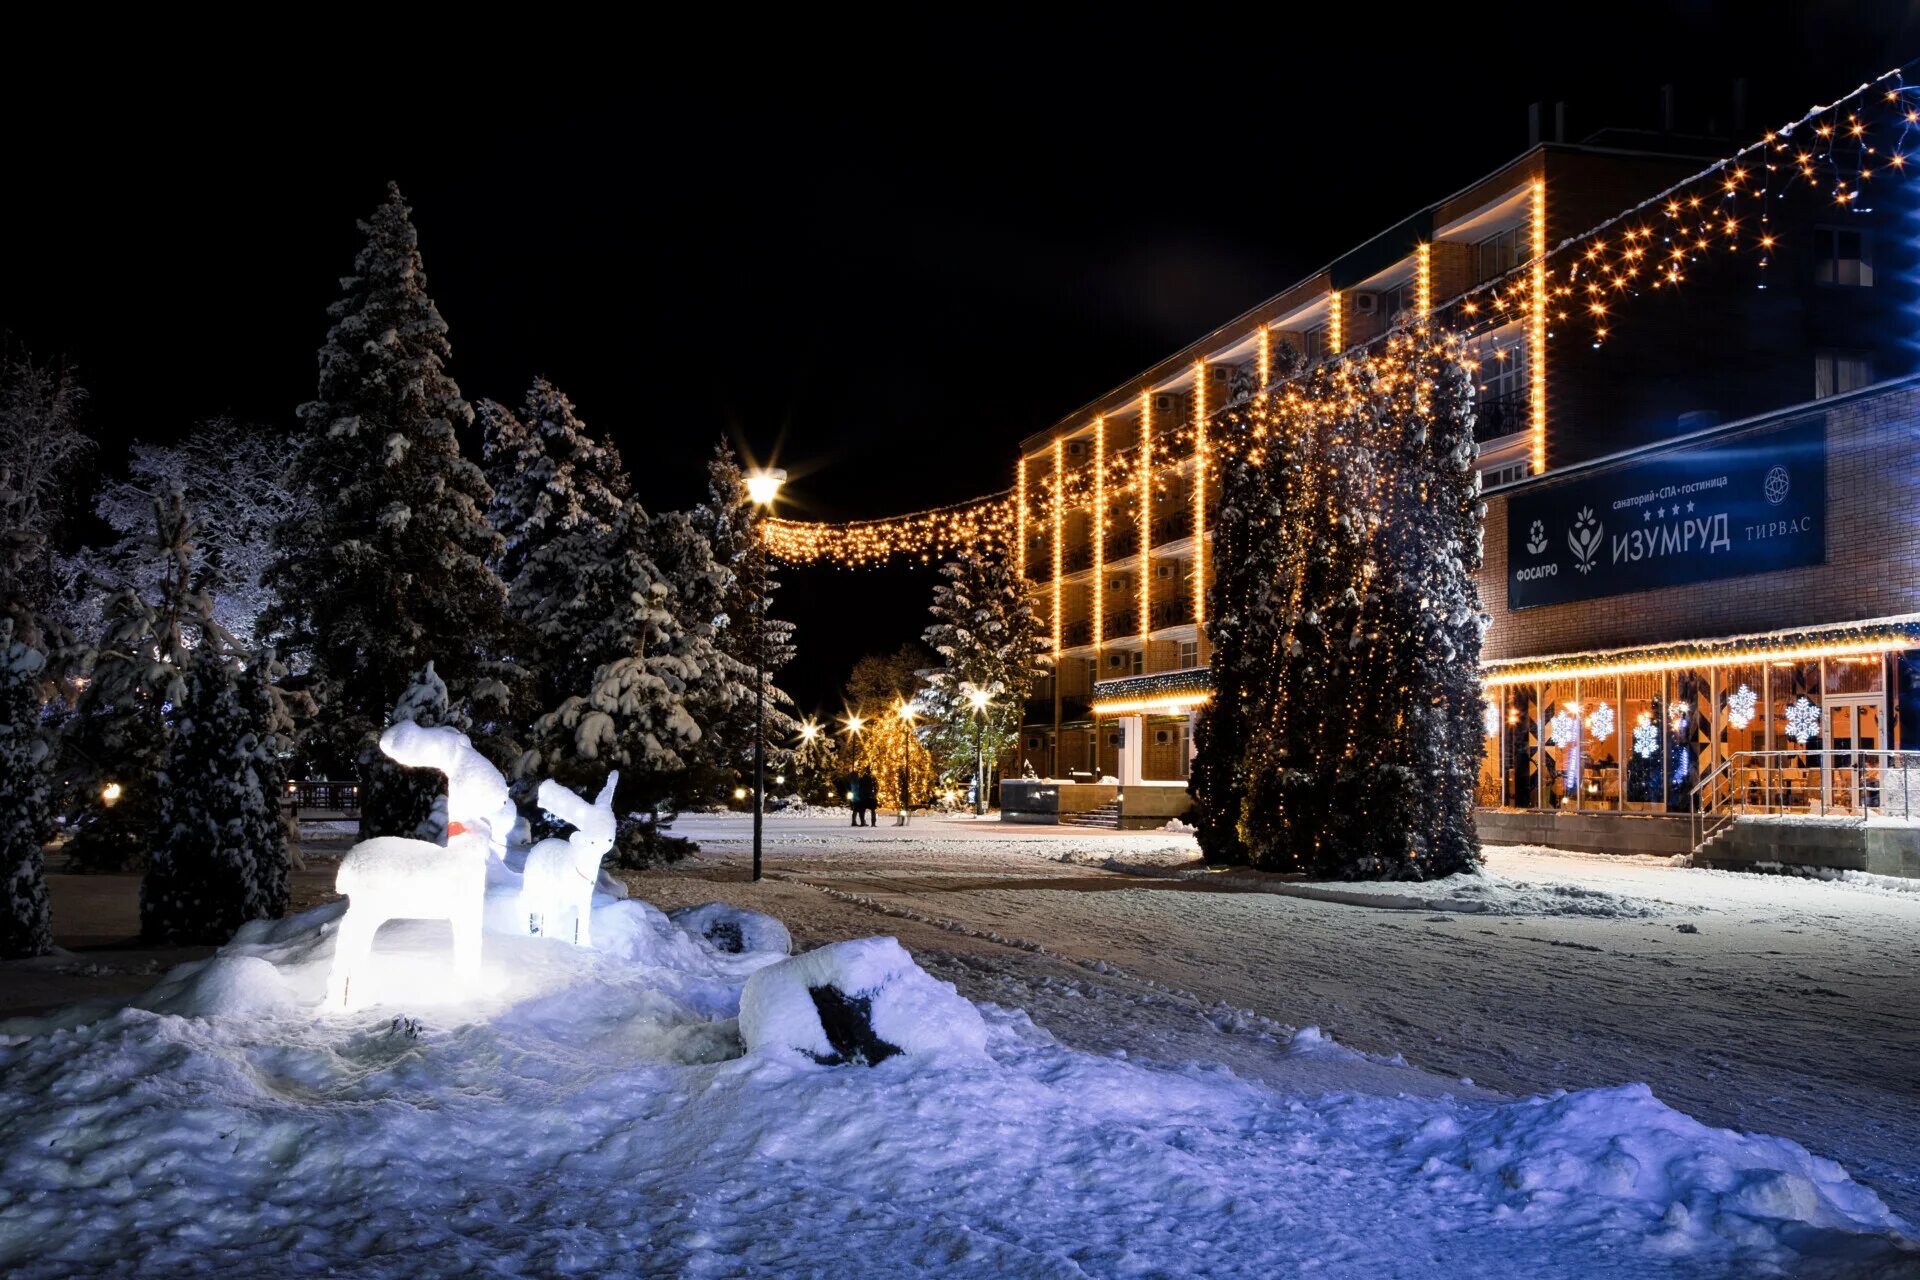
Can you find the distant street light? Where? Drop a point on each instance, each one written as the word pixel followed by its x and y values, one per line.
pixel 979 698
pixel 763 486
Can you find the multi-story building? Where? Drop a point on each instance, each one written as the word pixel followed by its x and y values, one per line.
pixel 1119 569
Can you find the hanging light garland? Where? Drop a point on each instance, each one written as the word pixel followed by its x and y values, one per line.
pixel 1837 151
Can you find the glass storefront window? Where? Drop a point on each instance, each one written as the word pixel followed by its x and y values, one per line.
pixel 1487 791
pixel 1518 730
pixel 1561 751
pixel 1855 675
pixel 1642 730
pixel 1600 739
pixel 1797 731
pixel 1689 733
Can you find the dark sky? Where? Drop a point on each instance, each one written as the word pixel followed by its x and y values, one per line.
pixel 886 253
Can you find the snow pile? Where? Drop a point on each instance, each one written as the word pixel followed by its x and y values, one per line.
pixel 1484 892
pixel 732 930
pixel 859 1001
pixel 1621 1160
pixel 593 1110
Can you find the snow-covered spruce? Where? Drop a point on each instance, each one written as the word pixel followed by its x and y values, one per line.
pixel 205 876
pixel 733 930
pixel 390 564
pixel 26 927
pixel 860 1001
pixel 989 644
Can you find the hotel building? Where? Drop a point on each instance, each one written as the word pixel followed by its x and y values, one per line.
pixel 1801 593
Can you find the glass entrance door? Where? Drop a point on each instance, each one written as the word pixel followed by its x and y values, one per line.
pixel 1851 781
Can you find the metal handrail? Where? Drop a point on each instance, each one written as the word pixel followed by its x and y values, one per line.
pixel 1750 782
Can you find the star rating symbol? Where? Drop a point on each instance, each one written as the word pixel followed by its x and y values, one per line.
pixel 1663 513
pixel 1689 507
pixel 1646 515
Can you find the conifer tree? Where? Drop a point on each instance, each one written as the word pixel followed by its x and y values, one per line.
pixel 1343 734
pixel 269 714
pixel 213 814
pixel 391 567
pixel 26 927
pixel 988 641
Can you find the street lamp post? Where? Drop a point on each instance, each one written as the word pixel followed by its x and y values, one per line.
pixel 763 486
pixel 979 698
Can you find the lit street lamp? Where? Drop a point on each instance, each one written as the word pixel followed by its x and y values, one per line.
pixel 763 486
pixel 979 698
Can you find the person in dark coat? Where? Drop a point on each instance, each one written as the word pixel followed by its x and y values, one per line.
pixel 856 800
pixel 870 797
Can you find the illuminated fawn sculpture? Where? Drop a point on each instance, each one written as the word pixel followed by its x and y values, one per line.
pixel 560 874
pixel 396 877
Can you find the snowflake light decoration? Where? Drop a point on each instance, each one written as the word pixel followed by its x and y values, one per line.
pixel 1490 717
pixel 1741 704
pixel 1562 727
pixel 1600 723
pixel 1803 720
pixel 1646 736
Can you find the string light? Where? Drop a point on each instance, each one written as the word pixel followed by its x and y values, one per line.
pixel 1335 328
pixel 1146 515
pixel 1199 491
pixel 1099 529
pixel 1537 334
pixel 1264 360
pixel 1020 517
pixel 1163 690
pixel 1866 639
pixel 1059 534
pixel 1422 283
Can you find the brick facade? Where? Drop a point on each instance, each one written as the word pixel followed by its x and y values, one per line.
pixel 1873 551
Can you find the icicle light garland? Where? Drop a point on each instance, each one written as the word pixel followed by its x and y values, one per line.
pixel 1838 151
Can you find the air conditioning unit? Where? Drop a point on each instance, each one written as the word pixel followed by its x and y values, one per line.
pixel 1161 737
pixel 1365 304
pixel 1166 402
pixel 1076 448
pixel 1116 584
pixel 1163 571
pixel 1116 659
pixel 1222 373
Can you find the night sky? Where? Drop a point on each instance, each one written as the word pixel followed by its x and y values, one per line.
pixel 884 255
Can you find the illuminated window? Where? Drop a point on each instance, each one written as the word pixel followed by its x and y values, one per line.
pixel 1189 653
pixel 1846 257
pixel 1314 341
pixel 1396 299
pixel 1506 473
pixel 1836 372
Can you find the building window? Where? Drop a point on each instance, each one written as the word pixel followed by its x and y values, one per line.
pixel 1093 672
pixel 1139 661
pixel 1837 372
pixel 1846 257
pixel 1500 252
pixel 1189 653
pixel 1506 473
pixel 1315 342
pixel 1395 300
pixel 1502 393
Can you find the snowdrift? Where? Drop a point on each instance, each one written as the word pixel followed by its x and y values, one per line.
pixel 600 1110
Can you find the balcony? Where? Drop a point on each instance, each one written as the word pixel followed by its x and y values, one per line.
pixel 1172 613
pixel 1120 545
pixel 1077 557
pixel 1172 528
pixel 1497 416
pixel 1077 633
pixel 1122 622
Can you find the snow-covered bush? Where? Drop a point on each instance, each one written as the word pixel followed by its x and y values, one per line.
pixel 734 930
pixel 860 1001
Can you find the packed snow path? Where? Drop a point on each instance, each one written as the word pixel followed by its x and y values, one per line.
pixel 1769 1004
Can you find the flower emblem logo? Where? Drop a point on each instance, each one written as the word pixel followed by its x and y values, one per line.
pixel 1584 538
pixel 1537 538
pixel 1777 485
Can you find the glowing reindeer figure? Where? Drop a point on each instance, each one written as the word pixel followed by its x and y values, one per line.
pixel 560 874
pixel 395 877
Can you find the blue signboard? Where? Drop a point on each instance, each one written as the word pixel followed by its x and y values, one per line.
pixel 1721 509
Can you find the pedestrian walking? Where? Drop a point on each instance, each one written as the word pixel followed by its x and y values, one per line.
pixel 870 797
pixel 855 801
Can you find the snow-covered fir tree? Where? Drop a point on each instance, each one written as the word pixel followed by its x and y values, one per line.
pixel 745 626
pixel 396 800
pixel 391 564
pixel 40 444
pixel 1343 734
pixel 632 710
pixel 25 917
pixel 270 713
pixel 551 476
pixel 134 678
pixel 213 813
pixel 989 645
pixel 235 480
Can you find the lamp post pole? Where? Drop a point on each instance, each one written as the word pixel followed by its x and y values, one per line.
pixel 979 697
pixel 763 486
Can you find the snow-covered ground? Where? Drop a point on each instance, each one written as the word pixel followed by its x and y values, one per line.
pixel 596 1111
